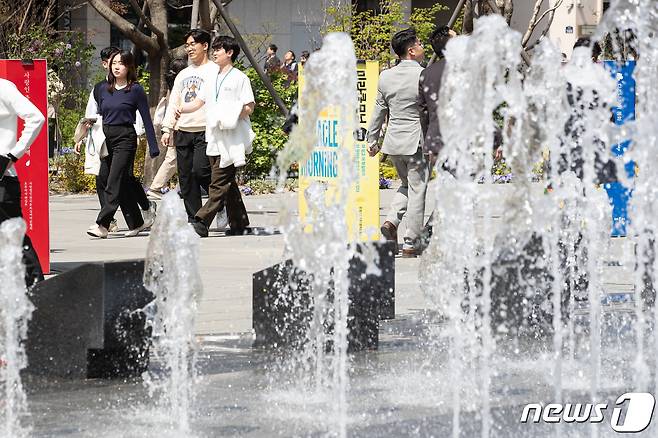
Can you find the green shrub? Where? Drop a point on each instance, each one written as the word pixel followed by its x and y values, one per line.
pixel 70 176
pixel 140 157
pixel 266 121
pixel 387 170
pixel 266 186
pixel 372 32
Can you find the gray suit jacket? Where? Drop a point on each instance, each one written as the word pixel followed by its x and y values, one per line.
pixel 397 95
pixel 428 99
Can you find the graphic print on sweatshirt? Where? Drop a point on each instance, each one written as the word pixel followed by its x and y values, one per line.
pixel 192 86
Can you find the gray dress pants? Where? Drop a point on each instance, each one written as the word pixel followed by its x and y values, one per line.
pixel 409 201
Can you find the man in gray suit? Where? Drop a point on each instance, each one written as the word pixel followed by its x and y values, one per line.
pixel 397 96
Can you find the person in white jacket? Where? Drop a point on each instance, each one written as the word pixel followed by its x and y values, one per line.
pixel 230 101
pixel 168 167
pixel 13 105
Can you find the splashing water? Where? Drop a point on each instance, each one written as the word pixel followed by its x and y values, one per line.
pixel 15 312
pixel 172 274
pixel 633 25
pixel 517 290
pixel 321 245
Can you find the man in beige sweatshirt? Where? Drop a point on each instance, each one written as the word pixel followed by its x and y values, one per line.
pixel 189 135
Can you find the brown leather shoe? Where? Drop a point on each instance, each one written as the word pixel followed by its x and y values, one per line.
pixel 389 231
pixel 410 253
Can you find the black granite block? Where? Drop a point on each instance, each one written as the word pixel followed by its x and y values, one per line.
pixel 283 309
pixel 88 323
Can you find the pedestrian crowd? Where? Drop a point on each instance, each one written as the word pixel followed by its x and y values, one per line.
pixel 407 102
pixel 204 120
pixel 289 66
pixel 205 126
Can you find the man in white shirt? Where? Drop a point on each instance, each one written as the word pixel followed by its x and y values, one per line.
pixel 190 130
pixel 229 101
pixel 13 105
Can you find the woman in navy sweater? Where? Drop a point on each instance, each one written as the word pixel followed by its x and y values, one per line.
pixel 118 105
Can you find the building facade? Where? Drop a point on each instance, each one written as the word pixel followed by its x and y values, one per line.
pixel 296 24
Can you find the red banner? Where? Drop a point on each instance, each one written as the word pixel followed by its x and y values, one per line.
pixel 31 80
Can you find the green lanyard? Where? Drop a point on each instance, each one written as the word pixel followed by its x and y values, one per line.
pixel 219 88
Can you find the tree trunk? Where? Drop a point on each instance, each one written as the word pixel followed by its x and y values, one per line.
pixel 158 65
pixel 469 15
pixel 205 16
pixel 160 59
pixel 263 76
pixel 195 14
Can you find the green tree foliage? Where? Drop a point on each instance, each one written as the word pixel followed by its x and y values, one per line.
pixel 372 32
pixel 68 57
pixel 266 121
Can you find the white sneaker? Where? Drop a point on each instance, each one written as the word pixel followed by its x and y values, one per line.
pixel 146 225
pixel 221 220
pixel 114 227
pixel 97 231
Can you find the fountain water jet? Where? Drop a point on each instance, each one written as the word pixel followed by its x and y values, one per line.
pixel 633 25
pixel 503 290
pixel 321 245
pixel 171 273
pixel 15 312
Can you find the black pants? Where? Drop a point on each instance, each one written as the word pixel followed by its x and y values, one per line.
pixel 101 185
pixel 10 207
pixel 120 191
pixel 193 168
pixel 224 191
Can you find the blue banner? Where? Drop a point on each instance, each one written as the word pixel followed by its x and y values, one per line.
pixel 622 113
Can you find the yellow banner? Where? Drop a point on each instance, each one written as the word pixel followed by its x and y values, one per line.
pixel 362 209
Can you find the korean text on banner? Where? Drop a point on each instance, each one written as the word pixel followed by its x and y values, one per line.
pixel 31 80
pixel 362 207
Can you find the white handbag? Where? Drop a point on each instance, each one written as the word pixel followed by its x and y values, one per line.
pixel 93 156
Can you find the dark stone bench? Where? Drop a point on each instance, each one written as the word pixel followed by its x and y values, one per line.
pixel 282 307
pixel 87 322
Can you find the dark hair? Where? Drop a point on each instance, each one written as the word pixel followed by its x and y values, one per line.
pixel 438 39
pixel 175 67
pixel 273 47
pixel 293 54
pixel 227 43
pixel 305 54
pixel 108 51
pixel 587 42
pixel 128 60
pixel 403 40
pixel 199 36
